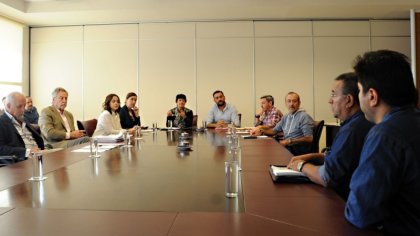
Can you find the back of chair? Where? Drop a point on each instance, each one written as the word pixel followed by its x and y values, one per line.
pixel 317 131
pixel 88 125
pixel 240 119
pixel 194 123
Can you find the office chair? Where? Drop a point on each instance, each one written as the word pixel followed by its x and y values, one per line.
pixel 317 131
pixel 88 125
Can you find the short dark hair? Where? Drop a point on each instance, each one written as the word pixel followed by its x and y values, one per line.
pixel 130 94
pixel 218 91
pixel 389 73
pixel 269 98
pixel 107 104
pixel 180 96
pixel 350 85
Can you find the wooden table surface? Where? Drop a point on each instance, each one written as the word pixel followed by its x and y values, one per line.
pixel 153 189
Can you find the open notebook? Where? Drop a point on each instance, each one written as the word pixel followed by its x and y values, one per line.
pixel 282 174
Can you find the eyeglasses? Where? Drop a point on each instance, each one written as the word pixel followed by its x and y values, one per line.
pixel 333 95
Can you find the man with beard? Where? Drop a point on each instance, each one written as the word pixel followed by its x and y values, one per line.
pixel 296 126
pixel 17 139
pixel 222 113
pixel 385 187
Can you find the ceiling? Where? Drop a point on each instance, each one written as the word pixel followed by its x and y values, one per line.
pixel 76 12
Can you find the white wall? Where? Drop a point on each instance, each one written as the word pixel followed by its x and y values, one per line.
pixel 245 59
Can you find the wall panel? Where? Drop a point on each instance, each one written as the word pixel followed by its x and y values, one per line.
pixel 167 67
pixel 57 60
pixel 110 64
pixel 225 62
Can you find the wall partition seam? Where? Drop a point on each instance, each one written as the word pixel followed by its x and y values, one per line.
pixel 254 85
pixel 313 69
pixel 195 69
pixel 29 60
pixel 138 60
pixel 83 72
pixel 370 35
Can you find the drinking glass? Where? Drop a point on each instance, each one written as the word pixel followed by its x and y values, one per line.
pixel 231 179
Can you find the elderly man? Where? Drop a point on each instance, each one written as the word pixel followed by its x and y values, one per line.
pixel 17 139
pixel 269 115
pixel 222 113
pixel 57 124
pixel 385 187
pixel 31 115
pixel 343 158
pixel 296 126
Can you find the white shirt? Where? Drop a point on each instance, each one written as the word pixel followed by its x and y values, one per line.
pixel 108 124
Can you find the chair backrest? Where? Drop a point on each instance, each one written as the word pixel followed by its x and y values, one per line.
pixel 317 131
pixel 88 125
pixel 240 119
pixel 195 118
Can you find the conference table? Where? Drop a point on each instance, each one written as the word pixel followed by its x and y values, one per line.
pixel 153 188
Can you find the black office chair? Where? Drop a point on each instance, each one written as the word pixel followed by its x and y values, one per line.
pixel 194 123
pixel 88 125
pixel 317 131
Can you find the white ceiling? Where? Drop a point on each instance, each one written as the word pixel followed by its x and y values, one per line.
pixel 75 12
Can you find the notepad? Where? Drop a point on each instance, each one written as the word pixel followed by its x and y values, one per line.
pixel 283 174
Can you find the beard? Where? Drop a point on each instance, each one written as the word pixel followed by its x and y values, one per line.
pixel 221 103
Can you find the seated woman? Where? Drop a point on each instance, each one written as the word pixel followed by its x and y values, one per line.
pixel 109 119
pixel 181 116
pixel 129 113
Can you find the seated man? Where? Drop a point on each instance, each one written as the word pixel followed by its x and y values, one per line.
pixel 57 124
pixel 31 115
pixel 181 116
pixel 222 113
pixel 385 187
pixel 269 115
pixel 296 127
pixel 343 158
pixel 17 138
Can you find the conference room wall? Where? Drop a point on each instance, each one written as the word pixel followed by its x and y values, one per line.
pixel 167 68
pixel 225 61
pixel 110 65
pixel 245 59
pixel 56 59
pixel 284 62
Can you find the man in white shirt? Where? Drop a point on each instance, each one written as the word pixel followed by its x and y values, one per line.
pixel 17 139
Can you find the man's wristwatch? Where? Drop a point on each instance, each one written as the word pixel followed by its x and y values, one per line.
pixel 300 165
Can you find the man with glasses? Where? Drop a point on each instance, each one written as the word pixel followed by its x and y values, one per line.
pixel 340 162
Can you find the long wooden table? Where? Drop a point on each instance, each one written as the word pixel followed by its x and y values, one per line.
pixel 153 189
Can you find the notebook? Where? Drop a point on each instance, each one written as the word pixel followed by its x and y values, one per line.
pixel 285 175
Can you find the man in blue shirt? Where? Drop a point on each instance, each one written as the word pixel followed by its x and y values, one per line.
pixel 343 158
pixel 222 113
pixel 31 115
pixel 385 187
pixel 296 126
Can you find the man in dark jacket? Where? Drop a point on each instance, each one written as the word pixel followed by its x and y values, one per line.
pixel 17 139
